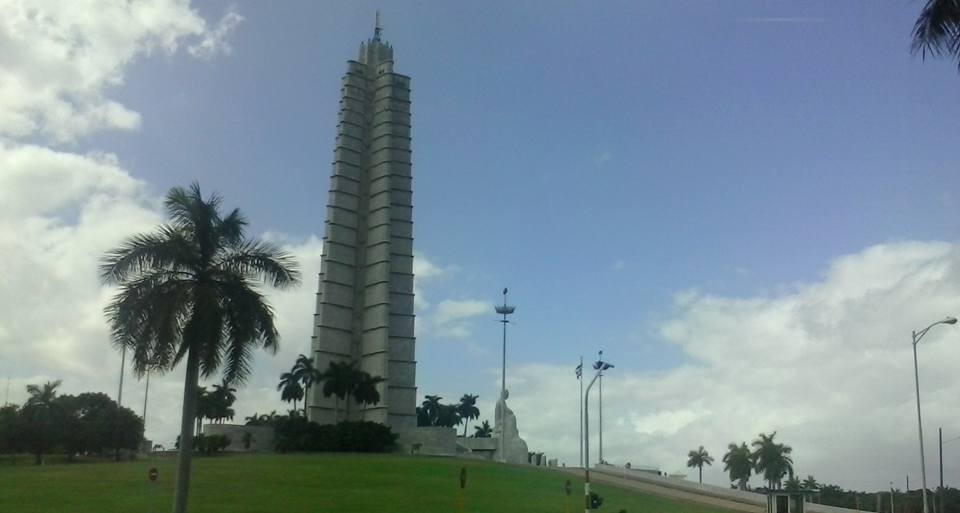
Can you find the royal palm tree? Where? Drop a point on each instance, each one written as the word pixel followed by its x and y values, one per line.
pixel 431 408
pixel 366 392
pixel 792 484
pixel 189 291
pixel 467 410
pixel 204 406
pixel 447 416
pixel 40 413
pixel 222 398
pixel 483 430
pixel 340 380
pixel 290 388
pixel 308 375
pixel 698 459
pixel 810 484
pixel 937 30
pixel 772 459
pixel 738 462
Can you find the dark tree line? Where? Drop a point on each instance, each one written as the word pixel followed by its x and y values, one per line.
pixel 434 413
pixel 90 423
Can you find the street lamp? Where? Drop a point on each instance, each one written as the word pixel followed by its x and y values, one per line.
pixel 600 366
pixel 916 378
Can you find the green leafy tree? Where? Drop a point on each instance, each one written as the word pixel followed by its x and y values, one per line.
pixel 738 462
pixel 188 291
pixel 92 422
pixel 9 418
pixel 698 458
pixel 483 430
pixel 810 484
pixel 937 30
pixel 771 459
pixel 467 410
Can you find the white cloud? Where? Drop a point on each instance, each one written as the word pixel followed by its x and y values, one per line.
pixel 603 157
pixel 217 41
pixel 61 57
pixel 61 210
pixel 452 319
pixel 827 365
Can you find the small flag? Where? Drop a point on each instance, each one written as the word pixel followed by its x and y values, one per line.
pixel 579 371
pixel 597 364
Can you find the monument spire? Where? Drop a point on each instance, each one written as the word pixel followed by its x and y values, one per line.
pixel 364 310
pixel 377 29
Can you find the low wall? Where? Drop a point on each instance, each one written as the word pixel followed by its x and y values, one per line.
pixel 261 436
pixel 428 441
pixel 476 448
pixel 730 494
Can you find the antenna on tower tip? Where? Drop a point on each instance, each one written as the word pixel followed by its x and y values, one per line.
pixel 377 30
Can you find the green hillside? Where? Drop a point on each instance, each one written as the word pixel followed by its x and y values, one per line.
pixel 314 483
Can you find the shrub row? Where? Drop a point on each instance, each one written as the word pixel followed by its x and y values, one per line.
pixel 299 434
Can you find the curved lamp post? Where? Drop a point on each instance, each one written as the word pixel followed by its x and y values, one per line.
pixel 917 335
pixel 600 366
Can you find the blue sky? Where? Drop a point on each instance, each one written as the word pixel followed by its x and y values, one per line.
pixel 596 158
pixel 648 178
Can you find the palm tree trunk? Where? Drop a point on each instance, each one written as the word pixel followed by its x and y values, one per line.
pixel 306 395
pixel 185 455
pixel 700 468
pixel 465 423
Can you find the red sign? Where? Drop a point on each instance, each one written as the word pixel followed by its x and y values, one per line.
pixel 153 474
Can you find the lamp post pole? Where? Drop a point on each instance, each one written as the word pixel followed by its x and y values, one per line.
pixel 600 404
pixel 917 336
pixel 600 366
pixel 580 379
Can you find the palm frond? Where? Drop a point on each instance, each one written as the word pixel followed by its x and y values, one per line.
pixel 231 228
pixel 262 261
pixel 937 29
pixel 167 248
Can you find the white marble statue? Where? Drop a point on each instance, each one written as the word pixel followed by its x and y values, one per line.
pixel 513 448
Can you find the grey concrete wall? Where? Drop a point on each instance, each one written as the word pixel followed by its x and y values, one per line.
pixel 262 436
pixel 428 441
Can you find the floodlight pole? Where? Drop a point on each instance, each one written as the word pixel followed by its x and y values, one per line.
pixel 146 392
pixel 916 378
pixel 123 362
pixel 586 435
pixel 504 310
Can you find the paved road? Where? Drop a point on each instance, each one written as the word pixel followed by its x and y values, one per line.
pixel 671 493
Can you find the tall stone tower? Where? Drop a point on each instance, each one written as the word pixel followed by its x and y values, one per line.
pixel 364 309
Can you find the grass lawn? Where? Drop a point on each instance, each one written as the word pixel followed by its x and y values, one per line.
pixel 308 483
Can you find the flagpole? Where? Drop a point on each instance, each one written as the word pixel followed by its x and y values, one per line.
pixel 580 379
